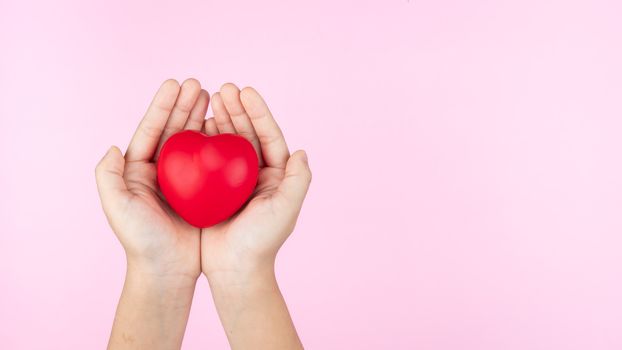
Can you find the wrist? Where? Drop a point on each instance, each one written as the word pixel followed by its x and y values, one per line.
pixel 260 275
pixel 165 292
pixel 159 276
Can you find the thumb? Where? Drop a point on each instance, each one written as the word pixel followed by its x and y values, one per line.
pixel 297 179
pixel 109 177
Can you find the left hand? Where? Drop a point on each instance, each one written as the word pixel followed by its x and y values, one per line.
pixel 250 239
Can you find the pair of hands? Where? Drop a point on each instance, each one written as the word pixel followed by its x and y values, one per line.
pixel 161 245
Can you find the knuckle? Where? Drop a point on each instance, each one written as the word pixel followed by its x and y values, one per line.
pixel 98 169
pixel 184 107
pixel 307 175
pixel 150 131
pixel 170 130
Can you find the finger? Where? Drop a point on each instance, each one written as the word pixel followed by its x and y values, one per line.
pixel 223 120
pixel 109 177
pixel 147 135
pixel 295 183
pixel 188 95
pixel 197 114
pixel 231 97
pixel 210 127
pixel 273 147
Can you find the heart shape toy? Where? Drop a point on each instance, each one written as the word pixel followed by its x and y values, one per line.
pixel 206 179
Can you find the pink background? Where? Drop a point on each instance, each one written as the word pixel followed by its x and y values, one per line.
pixel 467 187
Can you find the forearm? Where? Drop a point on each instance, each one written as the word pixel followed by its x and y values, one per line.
pixel 153 311
pixel 252 310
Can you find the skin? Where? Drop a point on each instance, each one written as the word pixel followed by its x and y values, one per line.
pixel 165 255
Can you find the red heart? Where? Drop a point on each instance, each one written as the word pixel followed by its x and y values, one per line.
pixel 206 179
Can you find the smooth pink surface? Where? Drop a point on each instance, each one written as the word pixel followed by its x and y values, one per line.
pixel 467 161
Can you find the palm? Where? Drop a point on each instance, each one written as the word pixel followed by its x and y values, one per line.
pixel 250 232
pixel 158 228
pixel 262 226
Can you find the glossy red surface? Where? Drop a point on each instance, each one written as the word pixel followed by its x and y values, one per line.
pixel 206 179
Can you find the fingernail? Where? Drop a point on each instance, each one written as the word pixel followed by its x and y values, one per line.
pixel 304 156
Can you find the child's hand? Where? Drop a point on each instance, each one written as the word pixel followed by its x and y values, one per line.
pixel 154 237
pixel 251 238
pixel 163 251
pixel 238 255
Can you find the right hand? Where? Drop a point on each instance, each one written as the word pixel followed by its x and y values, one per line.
pixel 156 240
